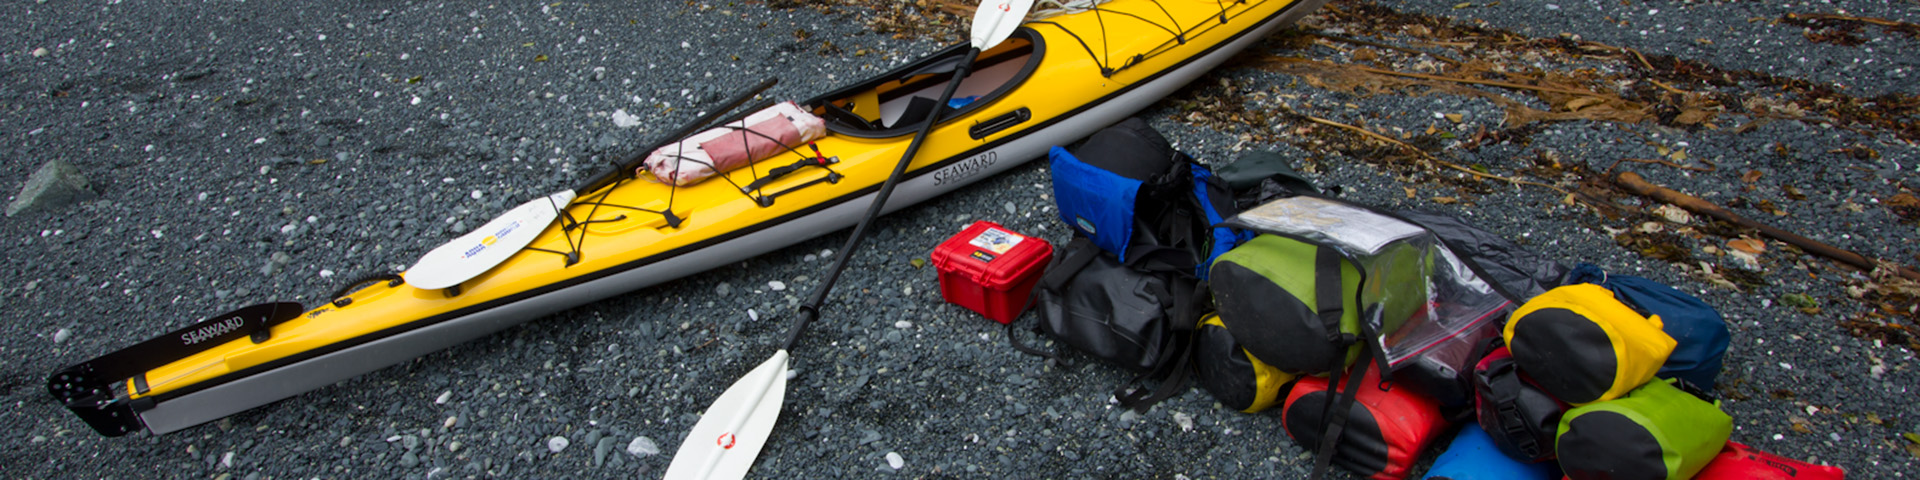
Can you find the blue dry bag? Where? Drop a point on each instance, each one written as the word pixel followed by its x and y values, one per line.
pixel 1472 456
pixel 1699 329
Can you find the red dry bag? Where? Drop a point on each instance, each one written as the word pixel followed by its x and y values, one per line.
pixel 1386 430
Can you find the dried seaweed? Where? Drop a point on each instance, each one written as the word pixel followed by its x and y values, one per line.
pixel 1803 100
pixel 1656 245
pixel 1891 333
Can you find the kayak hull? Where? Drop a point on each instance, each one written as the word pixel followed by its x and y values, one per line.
pixel 272 380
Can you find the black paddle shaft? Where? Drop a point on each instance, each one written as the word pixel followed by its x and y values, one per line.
pixel 812 308
pixel 625 170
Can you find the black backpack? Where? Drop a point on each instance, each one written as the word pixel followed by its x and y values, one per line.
pixel 1131 285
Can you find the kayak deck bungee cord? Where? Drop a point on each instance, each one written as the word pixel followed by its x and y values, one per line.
pixel 1053 81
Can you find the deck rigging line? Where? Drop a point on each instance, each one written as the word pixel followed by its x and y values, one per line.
pixel 1178 33
pixel 570 224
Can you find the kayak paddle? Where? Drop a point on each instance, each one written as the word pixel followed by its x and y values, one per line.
pixel 728 437
pixel 484 248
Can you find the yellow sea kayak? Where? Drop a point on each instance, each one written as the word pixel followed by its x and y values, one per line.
pixel 1056 80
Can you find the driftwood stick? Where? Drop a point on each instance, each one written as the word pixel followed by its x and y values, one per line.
pixel 1847 18
pixel 1639 186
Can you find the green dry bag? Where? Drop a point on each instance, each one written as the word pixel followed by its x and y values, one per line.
pixel 1289 303
pixel 1656 432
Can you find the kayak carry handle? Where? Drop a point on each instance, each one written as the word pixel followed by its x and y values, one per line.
pixel 341 299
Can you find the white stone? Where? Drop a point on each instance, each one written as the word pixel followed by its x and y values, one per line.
pixel 642 446
pixel 556 444
pixel 623 119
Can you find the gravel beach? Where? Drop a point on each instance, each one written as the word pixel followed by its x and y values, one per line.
pixel 239 152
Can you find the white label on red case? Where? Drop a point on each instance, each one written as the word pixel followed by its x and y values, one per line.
pixel 996 240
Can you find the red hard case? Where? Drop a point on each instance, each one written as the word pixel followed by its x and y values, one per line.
pixel 990 269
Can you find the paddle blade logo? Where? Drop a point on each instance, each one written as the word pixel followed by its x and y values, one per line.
pixel 726 441
pixel 489 241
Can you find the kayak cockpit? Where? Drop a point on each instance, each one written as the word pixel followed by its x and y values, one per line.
pixel 896 102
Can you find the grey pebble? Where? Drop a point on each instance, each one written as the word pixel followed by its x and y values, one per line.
pixel 601 448
pixel 54 185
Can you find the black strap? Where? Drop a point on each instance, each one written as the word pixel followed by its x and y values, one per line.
pixel 1342 401
pixel 1174 365
pixel 1159 259
pixel 1330 299
pixel 781 171
pixel 1073 258
pixel 1505 395
pixel 1175 376
pixel 1030 350
pixel 1337 423
pixel 1370 334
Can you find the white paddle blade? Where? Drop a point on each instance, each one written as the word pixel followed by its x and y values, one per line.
pixel 727 439
pixel 996 20
pixel 481 250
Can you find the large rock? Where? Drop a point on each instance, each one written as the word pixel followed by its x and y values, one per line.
pixel 56 184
